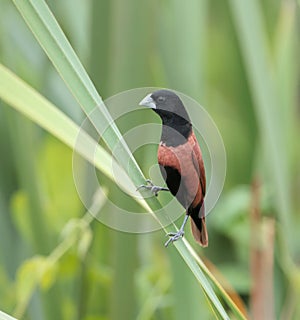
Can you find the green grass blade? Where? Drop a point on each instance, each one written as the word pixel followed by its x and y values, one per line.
pixel 285 59
pixel 213 280
pixel 198 273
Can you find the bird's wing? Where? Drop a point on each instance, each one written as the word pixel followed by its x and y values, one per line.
pixel 199 164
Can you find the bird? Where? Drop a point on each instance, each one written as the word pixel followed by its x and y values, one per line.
pixel 180 161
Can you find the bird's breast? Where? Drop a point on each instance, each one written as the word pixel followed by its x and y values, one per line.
pixel 181 159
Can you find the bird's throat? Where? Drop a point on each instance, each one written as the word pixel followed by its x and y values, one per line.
pixel 175 135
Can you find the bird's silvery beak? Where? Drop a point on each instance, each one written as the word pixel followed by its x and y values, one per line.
pixel 148 102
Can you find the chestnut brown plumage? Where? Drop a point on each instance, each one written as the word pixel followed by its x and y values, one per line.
pixel 180 160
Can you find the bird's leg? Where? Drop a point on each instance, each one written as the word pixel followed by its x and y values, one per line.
pixel 179 234
pixel 153 188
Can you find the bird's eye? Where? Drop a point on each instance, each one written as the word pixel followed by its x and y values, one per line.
pixel 161 99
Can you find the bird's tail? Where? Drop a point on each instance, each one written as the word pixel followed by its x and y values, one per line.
pixel 199 226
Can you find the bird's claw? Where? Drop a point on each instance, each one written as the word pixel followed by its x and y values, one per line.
pixel 153 188
pixel 174 236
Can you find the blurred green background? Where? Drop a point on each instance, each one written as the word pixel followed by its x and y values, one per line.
pixel 240 60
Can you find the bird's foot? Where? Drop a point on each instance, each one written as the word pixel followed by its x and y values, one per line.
pixel 153 188
pixel 174 236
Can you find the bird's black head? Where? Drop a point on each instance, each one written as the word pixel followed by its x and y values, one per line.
pixel 171 110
